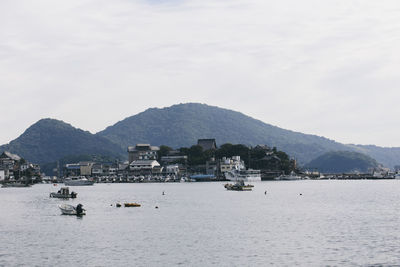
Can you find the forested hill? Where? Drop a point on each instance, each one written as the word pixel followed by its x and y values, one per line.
pixel 181 125
pixel 48 140
pixel 343 162
pixel 178 126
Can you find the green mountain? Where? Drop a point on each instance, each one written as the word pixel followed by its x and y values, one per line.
pixel 177 126
pixel 389 156
pixel 181 125
pixel 342 162
pixel 48 140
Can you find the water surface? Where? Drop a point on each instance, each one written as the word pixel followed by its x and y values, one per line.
pixel 202 224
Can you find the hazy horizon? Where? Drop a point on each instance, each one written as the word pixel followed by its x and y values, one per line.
pixel 325 68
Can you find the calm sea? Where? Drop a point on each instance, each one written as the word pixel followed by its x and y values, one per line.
pixel 335 223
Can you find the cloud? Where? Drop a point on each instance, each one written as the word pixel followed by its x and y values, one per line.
pixel 323 67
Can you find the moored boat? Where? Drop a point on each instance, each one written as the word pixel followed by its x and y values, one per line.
pixel 132 205
pixel 15 185
pixel 290 177
pixel 239 186
pixel 63 193
pixel 67 209
pixel 77 181
pixel 249 175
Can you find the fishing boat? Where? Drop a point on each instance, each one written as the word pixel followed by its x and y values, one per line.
pixel 67 209
pixel 15 185
pixel 239 186
pixel 63 193
pixel 290 177
pixel 132 205
pixel 249 175
pixel 77 181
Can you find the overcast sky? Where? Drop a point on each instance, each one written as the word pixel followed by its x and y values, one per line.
pixel 328 67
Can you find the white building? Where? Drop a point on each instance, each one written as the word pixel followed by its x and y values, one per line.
pixel 234 163
pixel 2 175
pixel 142 152
pixel 144 166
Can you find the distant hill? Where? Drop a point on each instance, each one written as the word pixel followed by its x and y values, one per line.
pixel 177 126
pixel 48 140
pixel 389 156
pixel 181 125
pixel 342 162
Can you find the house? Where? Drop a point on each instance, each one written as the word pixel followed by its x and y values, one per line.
pixel 172 169
pixel 97 169
pixel 2 175
pixel 141 167
pixel 142 152
pixel 228 164
pixel 86 168
pixel 211 166
pixel 173 159
pixel 207 144
pixel 72 169
pixel 9 162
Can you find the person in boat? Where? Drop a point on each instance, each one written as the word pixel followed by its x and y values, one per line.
pixel 79 209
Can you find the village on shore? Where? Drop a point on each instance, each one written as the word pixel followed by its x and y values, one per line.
pixel 201 162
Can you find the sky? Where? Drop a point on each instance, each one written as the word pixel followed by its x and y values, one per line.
pixel 329 68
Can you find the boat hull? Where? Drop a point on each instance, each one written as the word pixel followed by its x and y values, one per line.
pixel 57 195
pixel 78 183
pixel 243 176
pixel 69 210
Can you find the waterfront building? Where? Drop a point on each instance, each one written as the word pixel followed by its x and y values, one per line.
pixel 9 162
pixel 211 166
pixel 72 169
pixel 86 168
pixel 172 169
pixel 141 167
pixel 2 175
pixel 97 169
pixel 142 152
pixel 229 164
pixel 173 159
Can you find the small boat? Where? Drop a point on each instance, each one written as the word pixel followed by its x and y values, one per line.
pixel 15 185
pixel 71 210
pixel 249 175
pixel 63 193
pixel 77 181
pixel 132 205
pixel 290 177
pixel 239 186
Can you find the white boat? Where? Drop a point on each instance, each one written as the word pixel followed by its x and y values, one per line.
pixel 77 181
pixel 243 175
pixel 290 177
pixel 67 209
pixel 63 193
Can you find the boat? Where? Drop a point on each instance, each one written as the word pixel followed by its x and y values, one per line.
pixel 239 186
pixel 132 205
pixel 290 177
pixel 249 175
pixel 63 193
pixel 67 209
pixel 15 185
pixel 77 181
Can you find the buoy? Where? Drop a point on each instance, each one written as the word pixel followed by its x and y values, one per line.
pixel 265 192
pixel 156 207
pixel 301 194
pixel 163 193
